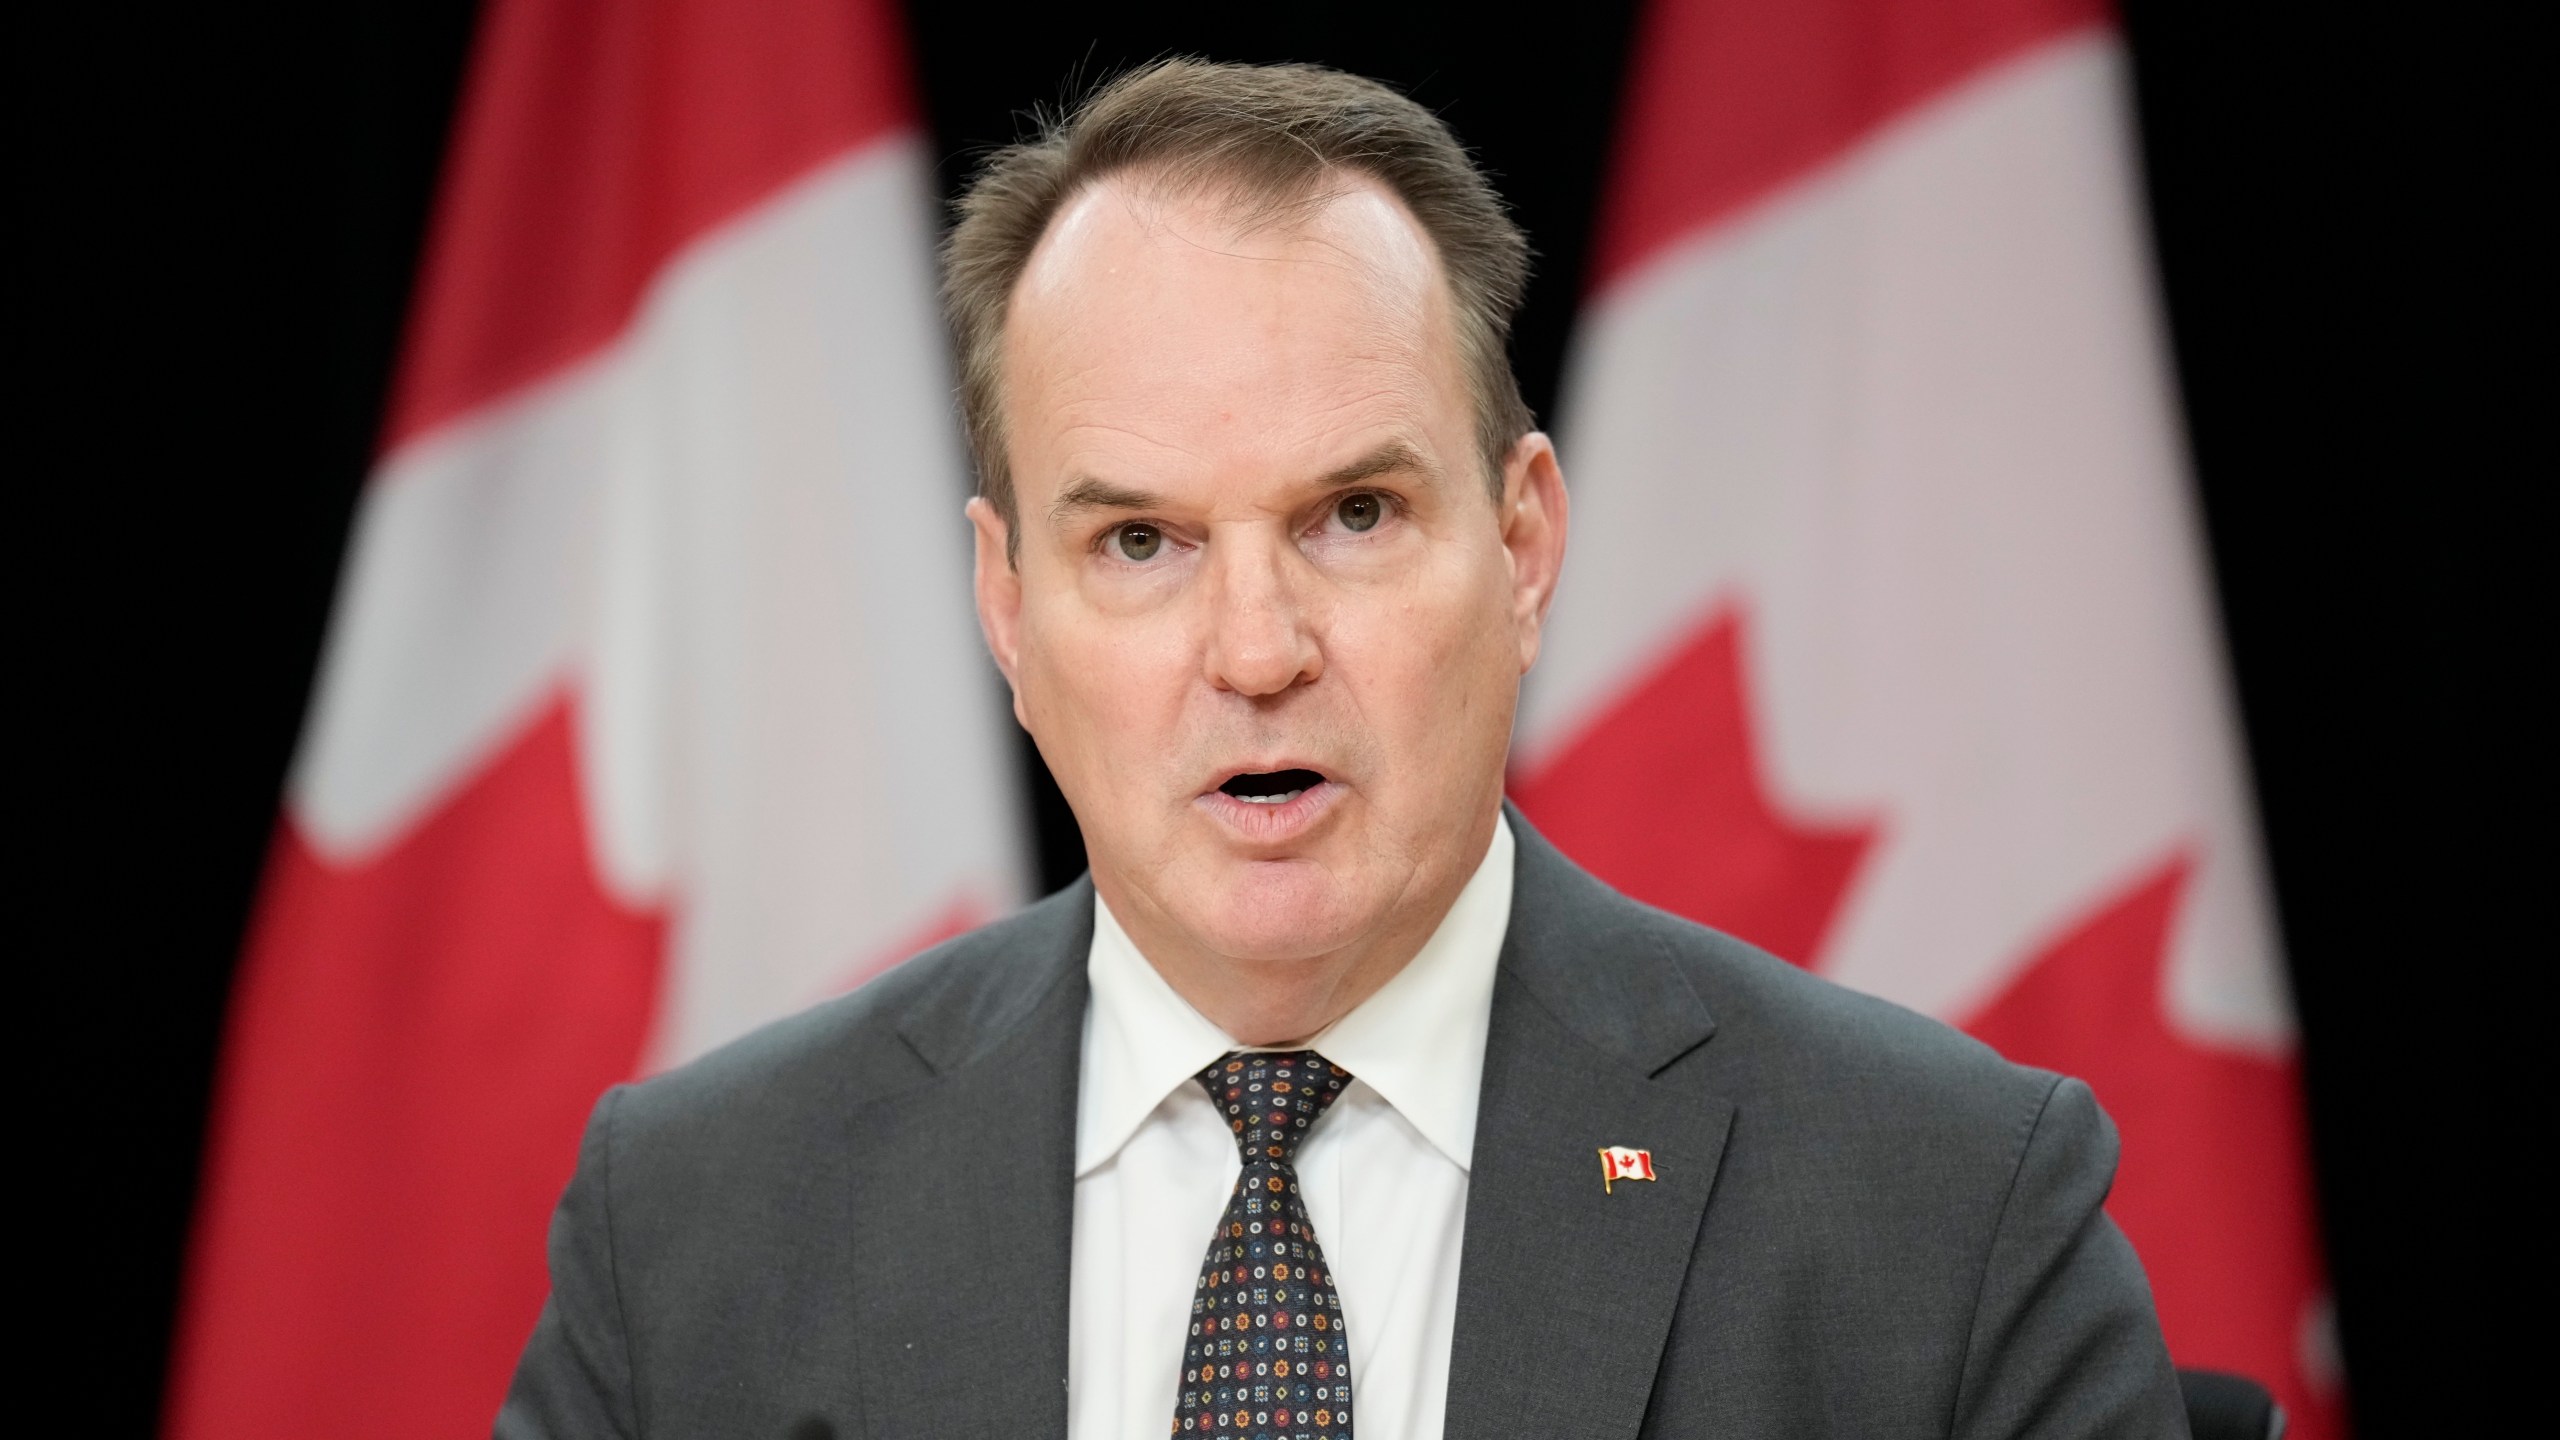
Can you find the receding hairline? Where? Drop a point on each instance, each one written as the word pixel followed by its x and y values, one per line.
pixel 1376 245
pixel 1243 208
pixel 1248 200
pixel 1274 142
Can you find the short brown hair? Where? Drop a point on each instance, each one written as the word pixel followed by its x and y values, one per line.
pixel 1270 134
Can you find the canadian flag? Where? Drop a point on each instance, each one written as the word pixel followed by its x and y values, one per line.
pixel 1886 642
pixel 652 706
pixel 1617 1162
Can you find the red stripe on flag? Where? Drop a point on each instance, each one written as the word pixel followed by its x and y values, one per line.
pixel 2214 1188
pixel 413 1048
pixel 1730 99
pixel 594 140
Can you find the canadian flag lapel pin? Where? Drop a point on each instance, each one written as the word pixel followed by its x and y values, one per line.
pixel 1618 1162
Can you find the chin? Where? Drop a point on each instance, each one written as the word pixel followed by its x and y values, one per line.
pixel 1273 910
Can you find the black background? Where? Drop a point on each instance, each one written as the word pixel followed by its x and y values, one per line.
pixel 217 216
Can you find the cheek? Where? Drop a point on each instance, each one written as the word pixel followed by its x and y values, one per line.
pixel 1101 691
pixel 1431 666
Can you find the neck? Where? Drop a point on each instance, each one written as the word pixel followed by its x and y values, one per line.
pixel 1282 1002
pixel 1286 1002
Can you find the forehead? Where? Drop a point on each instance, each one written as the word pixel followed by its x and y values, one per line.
pixel 1165 332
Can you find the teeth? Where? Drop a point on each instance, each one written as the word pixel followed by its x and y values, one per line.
pixel 1280 799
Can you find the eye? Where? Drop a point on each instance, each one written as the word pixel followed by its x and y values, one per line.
pixel 1360 510
pixel 1137 541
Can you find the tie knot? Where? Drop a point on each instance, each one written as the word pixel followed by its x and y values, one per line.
pixel 1271 1097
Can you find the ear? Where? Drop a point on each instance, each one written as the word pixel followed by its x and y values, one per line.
pixel 999 593
pixel 1533 522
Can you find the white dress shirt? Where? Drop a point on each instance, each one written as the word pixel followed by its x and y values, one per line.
pixel 1384 1173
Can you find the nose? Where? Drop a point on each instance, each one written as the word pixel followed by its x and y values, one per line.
pixel 1261 641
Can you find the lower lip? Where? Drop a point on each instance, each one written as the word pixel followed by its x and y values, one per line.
pixel 1272 824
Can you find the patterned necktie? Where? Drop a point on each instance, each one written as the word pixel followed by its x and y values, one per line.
pixel 1267 1359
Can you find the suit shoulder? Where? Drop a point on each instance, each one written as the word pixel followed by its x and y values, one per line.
pixel 1781 1036
pixel 1783 1032
pixel 893 1033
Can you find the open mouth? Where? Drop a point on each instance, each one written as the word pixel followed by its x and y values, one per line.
pixel 1271 787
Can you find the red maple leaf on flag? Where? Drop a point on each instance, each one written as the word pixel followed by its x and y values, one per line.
pixel 2214 1185
pixel 1663 796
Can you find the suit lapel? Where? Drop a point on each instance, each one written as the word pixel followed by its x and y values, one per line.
pixel 963 1204
pixel 1566 1290
pixel 960 1194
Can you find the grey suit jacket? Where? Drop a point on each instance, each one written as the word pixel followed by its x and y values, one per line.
pixel 856 1222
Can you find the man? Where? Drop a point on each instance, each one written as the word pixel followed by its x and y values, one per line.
pixel 1264 543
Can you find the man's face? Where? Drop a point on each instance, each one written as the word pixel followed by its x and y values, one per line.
pixel 1265 619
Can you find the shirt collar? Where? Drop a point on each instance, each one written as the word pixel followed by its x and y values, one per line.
pixel 1419 1042
pixel 1141 1040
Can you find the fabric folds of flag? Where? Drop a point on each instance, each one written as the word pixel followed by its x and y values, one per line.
pixel 652 707
pixel 1886 641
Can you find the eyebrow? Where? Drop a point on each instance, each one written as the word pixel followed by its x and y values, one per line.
pixel 1391 458
pixel 1100 495
pixel 1387 459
